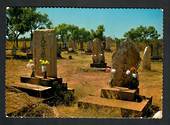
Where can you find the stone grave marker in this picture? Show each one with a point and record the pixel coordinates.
(124, 58)
(146, 63)
(157, 50)
(44, 46)
(89, 46)
(98, 54)
(108, 44)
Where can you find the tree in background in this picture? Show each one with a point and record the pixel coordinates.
(71, 33)
(23, 20)
(99, 32)
(142, 34)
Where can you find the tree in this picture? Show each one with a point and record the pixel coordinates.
(99, 32)
(22, 20)
(142, 34)
(62, 32)
(16, 23)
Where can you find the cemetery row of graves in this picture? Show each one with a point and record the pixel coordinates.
(120, 91)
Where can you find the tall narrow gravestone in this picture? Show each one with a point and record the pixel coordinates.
(126, 57)
(98, 54)
(108, 44)
(89, 46)
(146, 64)
(44, 47)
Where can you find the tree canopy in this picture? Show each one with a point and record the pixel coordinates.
(22, 20)
(142, 34)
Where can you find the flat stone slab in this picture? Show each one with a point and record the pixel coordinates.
(39, 80)
(121, 93)
(134, 109)
(31, 89)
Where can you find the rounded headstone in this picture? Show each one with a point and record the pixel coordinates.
(124, 58)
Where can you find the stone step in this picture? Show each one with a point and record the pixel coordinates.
(126, 108)
(121, 93)
(34, 90)
(40, 80)
(70, 90)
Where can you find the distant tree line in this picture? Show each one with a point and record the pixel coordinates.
(27, 20)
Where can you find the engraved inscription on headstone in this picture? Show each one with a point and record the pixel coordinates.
(44, 47)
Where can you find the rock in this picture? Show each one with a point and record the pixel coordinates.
(124, 58)
(146, 63)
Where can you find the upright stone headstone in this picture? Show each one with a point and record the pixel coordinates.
(98, 54)
(157, 50)
(124, 58)
(71, 46)
(146, 63)
(108, 44)
(89, 46)
(44, 46)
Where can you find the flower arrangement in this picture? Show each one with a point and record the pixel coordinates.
(44, 63)
(132, 74)
(30, 65)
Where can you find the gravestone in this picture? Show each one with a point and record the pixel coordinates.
(157, 50)
(117, 45)
(44, 46)
(108, 44)
(89, 46)
(124, 58)
(146, 63)
(98, 54)
(71, 46)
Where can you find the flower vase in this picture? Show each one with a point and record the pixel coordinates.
(33, 73)
(44, 71)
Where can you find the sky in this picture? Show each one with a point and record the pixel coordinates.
(115, 21)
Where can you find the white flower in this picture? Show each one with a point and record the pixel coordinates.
(113, 70)
(134, 75)
(101, 54)
(94, 55)
(128, 72)
(30, 65)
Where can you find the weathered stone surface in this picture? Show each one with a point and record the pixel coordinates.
(127, 108)
(121, 93)
(98, 52)
(156, 50)
(34, 90)
(108, 44)
(44, 46)
(146, 63)
(89, 46)
(124, 58)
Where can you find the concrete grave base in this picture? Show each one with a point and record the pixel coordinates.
(101, 65)
(126, 108)
(121, 93)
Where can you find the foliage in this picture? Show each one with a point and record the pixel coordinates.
(142, 34)
(99, 32)
(23, 20)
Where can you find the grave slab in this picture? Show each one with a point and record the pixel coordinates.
(134, 109)
(34, 90)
